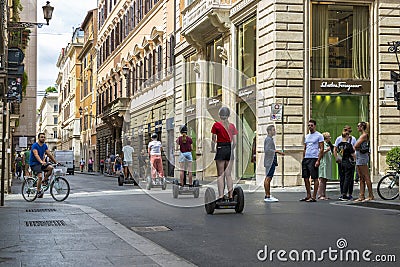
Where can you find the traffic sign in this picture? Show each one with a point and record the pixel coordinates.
(276, 112)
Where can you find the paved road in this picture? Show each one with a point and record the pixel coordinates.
(229, 239)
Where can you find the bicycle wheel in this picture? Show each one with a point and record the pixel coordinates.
(388, 187)
(59, 189)
(29, 189)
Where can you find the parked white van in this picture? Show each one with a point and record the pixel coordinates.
(66, 157)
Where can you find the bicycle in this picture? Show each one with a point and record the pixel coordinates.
(59, 186)
(388, 185)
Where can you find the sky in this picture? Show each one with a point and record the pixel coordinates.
(67, 15)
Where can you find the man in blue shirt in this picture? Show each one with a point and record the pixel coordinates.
(38, 163)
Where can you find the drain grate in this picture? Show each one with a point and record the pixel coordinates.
(40, 210)
(149, 229)
(46, 223)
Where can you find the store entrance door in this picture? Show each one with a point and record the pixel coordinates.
(246, 127)
(333, 112)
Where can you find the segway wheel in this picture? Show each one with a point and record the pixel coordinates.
(209, 200)
(196, 192)
(238, 196)
(175, 190)
(196, 183)
(164, 183)
(149, 183)
(121, 179)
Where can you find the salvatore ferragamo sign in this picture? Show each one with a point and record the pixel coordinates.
(340, 86)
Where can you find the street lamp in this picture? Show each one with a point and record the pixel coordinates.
(47, 14)
(126, 73)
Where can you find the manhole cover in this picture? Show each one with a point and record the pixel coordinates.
(148, 229)
(46, 223)
(40, 210)
(377, 205)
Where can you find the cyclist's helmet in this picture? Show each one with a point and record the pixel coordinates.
(224, 112)
(154, 136)
(183, 129)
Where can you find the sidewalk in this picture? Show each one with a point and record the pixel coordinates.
(57, 234)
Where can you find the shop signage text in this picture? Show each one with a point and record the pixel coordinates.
(239, 6)
(344, 85)
(245, 93)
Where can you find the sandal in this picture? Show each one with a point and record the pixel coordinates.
(311, 200)
(304, 199)
(359, 200)
(368, 199)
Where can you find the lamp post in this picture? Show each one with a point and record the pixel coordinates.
(127, 74)
(12, 26)
(47, 15)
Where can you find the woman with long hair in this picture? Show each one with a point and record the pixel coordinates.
(224, 136)
(362, 159)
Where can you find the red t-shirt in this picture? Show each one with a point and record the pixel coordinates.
(185, 147)
(224, 136)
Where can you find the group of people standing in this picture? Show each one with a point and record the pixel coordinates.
(350, 155)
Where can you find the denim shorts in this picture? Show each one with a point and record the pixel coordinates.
(185, 157)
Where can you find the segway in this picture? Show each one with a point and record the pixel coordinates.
(185, 189)
(236, 203)
(157, 182)
(131, 179)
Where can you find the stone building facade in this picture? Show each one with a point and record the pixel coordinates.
(323, 60)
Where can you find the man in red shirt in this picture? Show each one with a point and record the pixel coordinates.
(224, 136)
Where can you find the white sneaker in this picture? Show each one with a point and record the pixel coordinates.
(271, 199)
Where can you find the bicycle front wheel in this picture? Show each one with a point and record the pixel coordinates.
(388, 187)
(59, 189)
(29, 190)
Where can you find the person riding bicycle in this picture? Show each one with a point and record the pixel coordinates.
(38, 163)
(154, 150)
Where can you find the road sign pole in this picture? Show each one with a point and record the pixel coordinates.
(283, 144)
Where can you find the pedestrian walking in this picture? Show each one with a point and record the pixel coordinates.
(347, 156)
(312, 154)
(82, 164)
(102, 166)
(117, 164)
(154, 150)
(18, 166)
(25, 162)
(112, 164)
(224, 138)
(90, 164)
(270, 162)
(185, 156)
(325, 167)
(362, 160)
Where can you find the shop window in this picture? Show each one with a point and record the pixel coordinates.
(247, 57)
(214, 64)
(340, 42)
(190, 80)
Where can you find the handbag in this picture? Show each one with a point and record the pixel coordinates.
(364, 147)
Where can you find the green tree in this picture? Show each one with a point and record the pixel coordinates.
(51, 89)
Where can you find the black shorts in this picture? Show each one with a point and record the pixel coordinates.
(36, 168)
(308, 168)
(224, 152)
